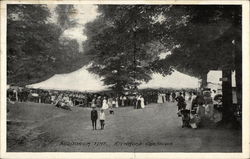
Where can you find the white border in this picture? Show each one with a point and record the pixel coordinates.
(246, 88)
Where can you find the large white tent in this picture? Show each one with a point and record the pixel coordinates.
(176, 80)
(82, 80)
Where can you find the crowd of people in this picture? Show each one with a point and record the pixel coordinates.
(170, 96)
(87, 99)
(204, 106)
(201, 106)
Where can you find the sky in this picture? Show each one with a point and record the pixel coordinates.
(82, 80)
(85, 13)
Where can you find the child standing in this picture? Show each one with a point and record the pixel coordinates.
(111, 111)
(94, 116)
(102, 119)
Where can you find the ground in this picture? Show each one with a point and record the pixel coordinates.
(36, 127)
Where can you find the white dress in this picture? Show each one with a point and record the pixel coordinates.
(142, 102)
(93, 103)
(105, 104)
(189, 106)
(110, 100)
(116, 103)
(159, 98)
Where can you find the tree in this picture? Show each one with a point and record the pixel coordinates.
(204, 42)
(195, 39)
(197, 44)
(34, 48)
(64, 13)
(119, 43)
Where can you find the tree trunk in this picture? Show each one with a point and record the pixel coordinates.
(238, 71)
(227, 96)
(238, 77)
(238, 53)
(204, 80)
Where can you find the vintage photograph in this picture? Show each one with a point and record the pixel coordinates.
(124, 78)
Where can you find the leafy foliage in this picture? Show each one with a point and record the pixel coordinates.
(206, 39)
(121, 45)
(197, 36)
(65, 12)
(35, 51)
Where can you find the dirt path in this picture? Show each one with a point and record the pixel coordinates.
(153, 129)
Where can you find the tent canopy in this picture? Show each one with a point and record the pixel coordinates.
(176, 80)
(82, 80)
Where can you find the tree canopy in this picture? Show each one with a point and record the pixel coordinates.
(121, 45)
(198, 37)
(35, 47)
(208, 36)
(124, 42)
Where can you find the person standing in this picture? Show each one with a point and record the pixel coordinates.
(181, 102)
(110, 100)
(138, 103)
(15, 95)
(184, 94)
(134, 101)
(209, 107)
(168, 96)
(111, 111)
(93, 103)
(105, 103)
(163, 97)
(194, 103)
(120, 100)
(173, 96)
(200, 106)
(160, 98)
(94, 117)
(117, 102)
(124, 100)
(102, 119)
(142, 102)
(99, 102)
(113, 102)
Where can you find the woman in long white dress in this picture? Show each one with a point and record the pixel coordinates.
(93, 103)
(142, 102)
(159, 98)
(116, 102)
(105, 104)
(110, 100)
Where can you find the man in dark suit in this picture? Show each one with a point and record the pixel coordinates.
(94, 116)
